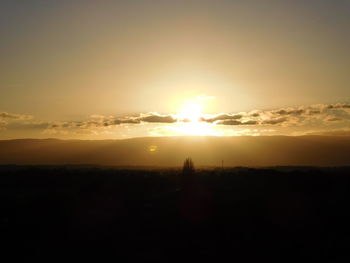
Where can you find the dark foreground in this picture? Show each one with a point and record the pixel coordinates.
(243, 215)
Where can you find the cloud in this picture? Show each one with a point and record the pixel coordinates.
(274, 121)
(2, 125)
(33, 125)
(224, 117)
(287, 117)
(334, 119)
(122, 121)
(102, 122)
(157, 118)
(251, 122)
(99, 124)
(290, 120)
(255, 114)
(339, 106)
(12, 116)
(313, 112)
(9, 118)
(236, 122)
(290, 111)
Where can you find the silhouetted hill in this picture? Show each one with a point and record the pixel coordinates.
(171, 151)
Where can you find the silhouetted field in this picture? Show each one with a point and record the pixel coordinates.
(282, 214)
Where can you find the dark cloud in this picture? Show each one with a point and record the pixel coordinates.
(123, 121)
(251, 122)
(12, 116)
(236, 122)
(339, 106)
(29, 125)
(223, 117)
(274, 121)
(54, 125)
(313, 112)
(334, 119)
(290, 111)
(99, 121)
(296, 116)
(102, 122)
(157, 118)
(229, 122)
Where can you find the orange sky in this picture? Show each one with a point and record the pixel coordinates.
(120, 69)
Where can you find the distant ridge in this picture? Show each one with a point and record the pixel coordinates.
(171, 151)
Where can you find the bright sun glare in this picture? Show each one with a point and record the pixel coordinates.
(190, 115)
(191, 112)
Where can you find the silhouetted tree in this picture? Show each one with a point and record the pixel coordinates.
(188, 174)
(193, 200)
(188, 167)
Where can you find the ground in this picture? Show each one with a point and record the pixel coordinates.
(280, 214)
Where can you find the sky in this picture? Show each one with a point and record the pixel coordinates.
(122, 69)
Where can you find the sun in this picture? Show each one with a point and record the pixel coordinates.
(191, 112)
(191, 118)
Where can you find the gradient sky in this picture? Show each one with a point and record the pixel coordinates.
(66, 63)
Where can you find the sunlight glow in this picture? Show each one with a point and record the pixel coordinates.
(190, 116)
(192, 109)
(196, 128)
(192, 129)
(191, 112)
